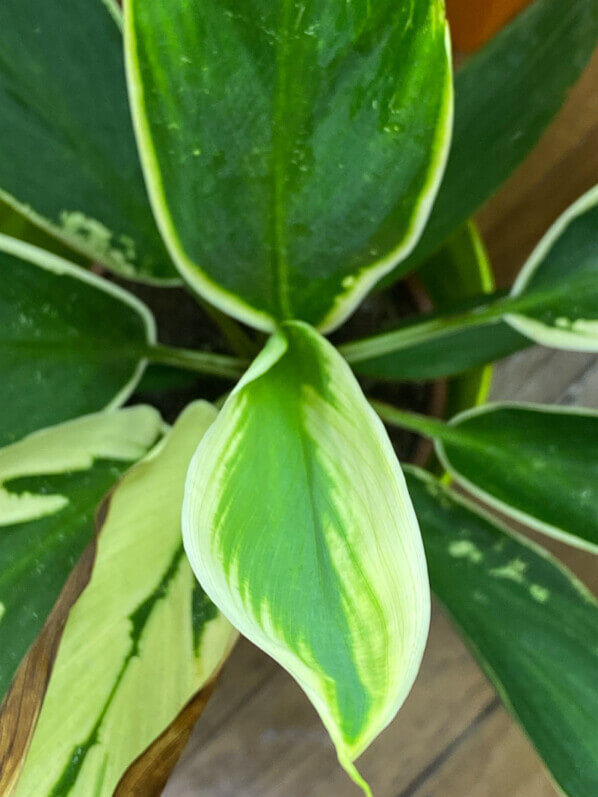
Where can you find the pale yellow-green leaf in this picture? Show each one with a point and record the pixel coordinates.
(141, 640)
(51, 483)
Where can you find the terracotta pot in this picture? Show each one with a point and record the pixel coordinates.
(474, 23)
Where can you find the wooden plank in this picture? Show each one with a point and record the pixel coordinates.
(246, 673)
(494, 761)
(540, 375)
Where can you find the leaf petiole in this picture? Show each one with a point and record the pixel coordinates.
(203, 362)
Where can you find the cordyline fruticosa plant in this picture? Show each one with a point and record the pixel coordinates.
(295, 153)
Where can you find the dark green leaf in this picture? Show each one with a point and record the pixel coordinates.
(537, 464)
(447, 355)
(292, 149)
(70, 342)
(530, 624)
(558, 287)
(554, 302)
(159, 378)
(67, 151)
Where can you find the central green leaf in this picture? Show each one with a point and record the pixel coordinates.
(292, 148)
(299, 527)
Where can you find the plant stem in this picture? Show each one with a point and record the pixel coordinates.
(423, 331)
(200, 361)
(491, 310)
(414, 422)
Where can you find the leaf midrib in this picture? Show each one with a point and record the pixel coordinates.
(280, 252)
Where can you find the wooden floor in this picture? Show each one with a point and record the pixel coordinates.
(259, 736)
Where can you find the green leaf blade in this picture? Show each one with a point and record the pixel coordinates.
(70, 342)
(536, 463)
(134, 652)
(51, 484)
(326, 572)
(530, 624)
(312, 138)
(68, 159)
(558, 286)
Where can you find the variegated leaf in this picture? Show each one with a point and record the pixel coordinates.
(71, 343)
(139, 643)
(299, 526)
(292, 150)
(50, 486)
(539, 464)
(68, 159)
(531, 625)
(557, 290)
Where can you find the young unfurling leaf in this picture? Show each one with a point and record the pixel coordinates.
(299, 527)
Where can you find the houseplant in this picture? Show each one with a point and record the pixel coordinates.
(292, 155)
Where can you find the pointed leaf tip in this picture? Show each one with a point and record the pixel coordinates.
(299, 527)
